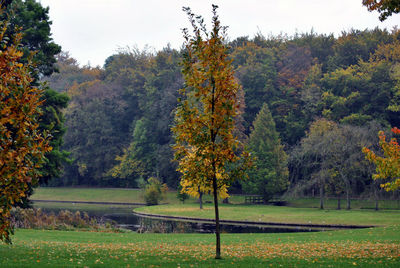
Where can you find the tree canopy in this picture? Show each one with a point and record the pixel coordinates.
(119, 116)
(388, 165)
(385, 7)
(22, 144)
(205, 118)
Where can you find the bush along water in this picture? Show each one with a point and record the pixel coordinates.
(33, 218)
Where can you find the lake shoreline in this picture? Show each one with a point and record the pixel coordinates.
(320, 227)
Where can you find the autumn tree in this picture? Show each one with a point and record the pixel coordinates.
(270, 176)
(22, 145)
(385, 7)
(32, 20)
(205, 118)
(388, 165)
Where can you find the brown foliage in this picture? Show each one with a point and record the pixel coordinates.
(63, 220)
(22, 146)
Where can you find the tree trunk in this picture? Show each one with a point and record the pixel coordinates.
(348, 198)
(376, 198)
(338, 202)
(398, 199)
(321, 196)
(201, 200)
(217, 230)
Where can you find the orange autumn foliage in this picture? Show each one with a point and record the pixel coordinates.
(385, 7)
(206, 148)
(205, 119)
(22, 146)
(387, 166)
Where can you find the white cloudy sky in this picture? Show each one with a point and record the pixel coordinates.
(92, 30)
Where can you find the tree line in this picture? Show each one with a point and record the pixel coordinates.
(116, 130)
(119, 117)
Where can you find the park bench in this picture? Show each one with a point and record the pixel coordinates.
(253, 199)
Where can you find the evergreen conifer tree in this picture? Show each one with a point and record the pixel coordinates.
(270, 176)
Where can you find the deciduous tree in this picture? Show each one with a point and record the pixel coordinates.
(35, 22)
(205, 118)
(385, 7)
(22, 145)
(32, 20)
(388, 165)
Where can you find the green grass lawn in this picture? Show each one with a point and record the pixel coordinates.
(89, 194)
(377, 247)
(119, 195)
(374, 247)
(331, 203)
(136, 196)
(264, 213)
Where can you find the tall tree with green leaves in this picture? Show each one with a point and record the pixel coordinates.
(271, 174)
(34, 21)
(205, 118)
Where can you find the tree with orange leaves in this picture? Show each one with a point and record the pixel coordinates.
(385, 7)
(206, 147)
(387, 166)
(22, 146)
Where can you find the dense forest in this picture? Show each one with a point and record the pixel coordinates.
(327, 97)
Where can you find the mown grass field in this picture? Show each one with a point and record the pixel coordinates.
(119, 195)
(262, 213)
(136, 196)
(89, 194)
(373, 247)
(376, 247)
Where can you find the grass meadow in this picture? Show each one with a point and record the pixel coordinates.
(370, 247)
(374, 247)
(279, 214)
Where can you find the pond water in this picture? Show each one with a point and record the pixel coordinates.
(124, 218)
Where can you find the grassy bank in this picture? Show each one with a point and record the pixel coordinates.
(136, 196)
(378, 247)
(89, 194)
(264, 213)
(120, 195)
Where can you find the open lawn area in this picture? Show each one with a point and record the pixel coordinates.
(376, 247)
(372, 247)
(88, 194)
(119, 195)
(279, 214)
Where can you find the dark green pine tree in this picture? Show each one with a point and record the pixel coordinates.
(270, 176)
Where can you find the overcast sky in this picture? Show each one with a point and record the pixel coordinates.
(92, 30)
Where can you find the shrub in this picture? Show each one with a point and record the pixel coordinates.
(154, 191)
(181, 195)
(64, 220)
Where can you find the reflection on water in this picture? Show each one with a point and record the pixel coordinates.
(124, 218)
(169, 226)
